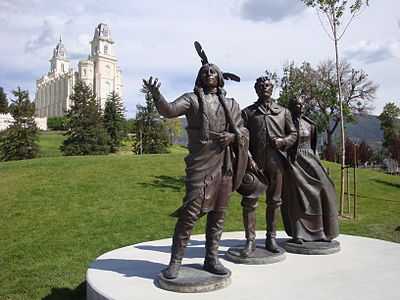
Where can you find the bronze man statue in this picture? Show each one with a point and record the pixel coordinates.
(271, 133)
(218, 145)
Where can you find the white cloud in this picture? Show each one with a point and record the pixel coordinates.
(369, 52)
(270, 11)
(44, 38)
(156, 38)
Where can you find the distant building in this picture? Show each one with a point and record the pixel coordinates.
(6, 121)
(100, 71)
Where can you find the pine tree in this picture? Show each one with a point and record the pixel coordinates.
(114, 121)
(153, 137)
(86, 134)
(19, 141)
(3, 102)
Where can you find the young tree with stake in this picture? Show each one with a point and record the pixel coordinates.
(335, 12)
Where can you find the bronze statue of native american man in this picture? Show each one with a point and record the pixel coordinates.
(218, 146)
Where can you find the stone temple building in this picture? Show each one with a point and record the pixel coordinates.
(100, 71)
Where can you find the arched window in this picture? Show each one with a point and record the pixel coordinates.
(106, 49)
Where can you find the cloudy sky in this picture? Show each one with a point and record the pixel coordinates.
(156, 38)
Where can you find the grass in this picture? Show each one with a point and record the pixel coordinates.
(50, 142)
(58, 214)
(378, 204)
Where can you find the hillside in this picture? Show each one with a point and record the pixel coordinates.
(366, 127)
(60, 213)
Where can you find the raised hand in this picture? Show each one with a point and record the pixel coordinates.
(152, 87)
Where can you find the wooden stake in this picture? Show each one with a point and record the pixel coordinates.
(355, 185)
(347, 190)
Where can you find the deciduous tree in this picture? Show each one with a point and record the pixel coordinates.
(174, 129)
(334, 12)
(319, 84)
(390, 123)
(364, 152)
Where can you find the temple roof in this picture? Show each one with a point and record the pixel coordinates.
(59, 50)
(102, 31)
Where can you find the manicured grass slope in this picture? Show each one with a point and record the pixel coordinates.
(58, 214)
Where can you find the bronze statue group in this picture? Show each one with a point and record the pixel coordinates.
(263, 148)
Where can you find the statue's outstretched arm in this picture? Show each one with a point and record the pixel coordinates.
(174, 109)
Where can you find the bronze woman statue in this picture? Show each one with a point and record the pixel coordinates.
(309, 198)
(218, 145)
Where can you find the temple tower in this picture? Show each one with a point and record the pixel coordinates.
(107, 75)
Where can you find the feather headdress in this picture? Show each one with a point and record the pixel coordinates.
(204, 61)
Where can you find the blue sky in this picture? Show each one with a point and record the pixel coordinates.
(156, 38)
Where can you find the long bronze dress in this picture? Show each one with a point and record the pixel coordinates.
(309, 209)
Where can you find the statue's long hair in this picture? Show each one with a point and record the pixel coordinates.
(199, 91)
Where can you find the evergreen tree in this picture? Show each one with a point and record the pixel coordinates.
(19, 141)
(151, 131)
(86, 134)
(3, 102)
(114, 121)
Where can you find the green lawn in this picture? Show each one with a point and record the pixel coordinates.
(50, 142)
(58, 214)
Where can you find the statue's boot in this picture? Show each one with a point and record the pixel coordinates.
(172, 271)
(296, 240)
(215, 226)
(249, 222)
(270, 241)
(183, 229)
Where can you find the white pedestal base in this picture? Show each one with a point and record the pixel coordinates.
(365, 268)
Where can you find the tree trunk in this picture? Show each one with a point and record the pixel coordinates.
(339, 85)
(329, 150)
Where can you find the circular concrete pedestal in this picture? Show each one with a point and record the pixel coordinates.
(260, 256)
(364, 268)
(193, 279)
(312, 248)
